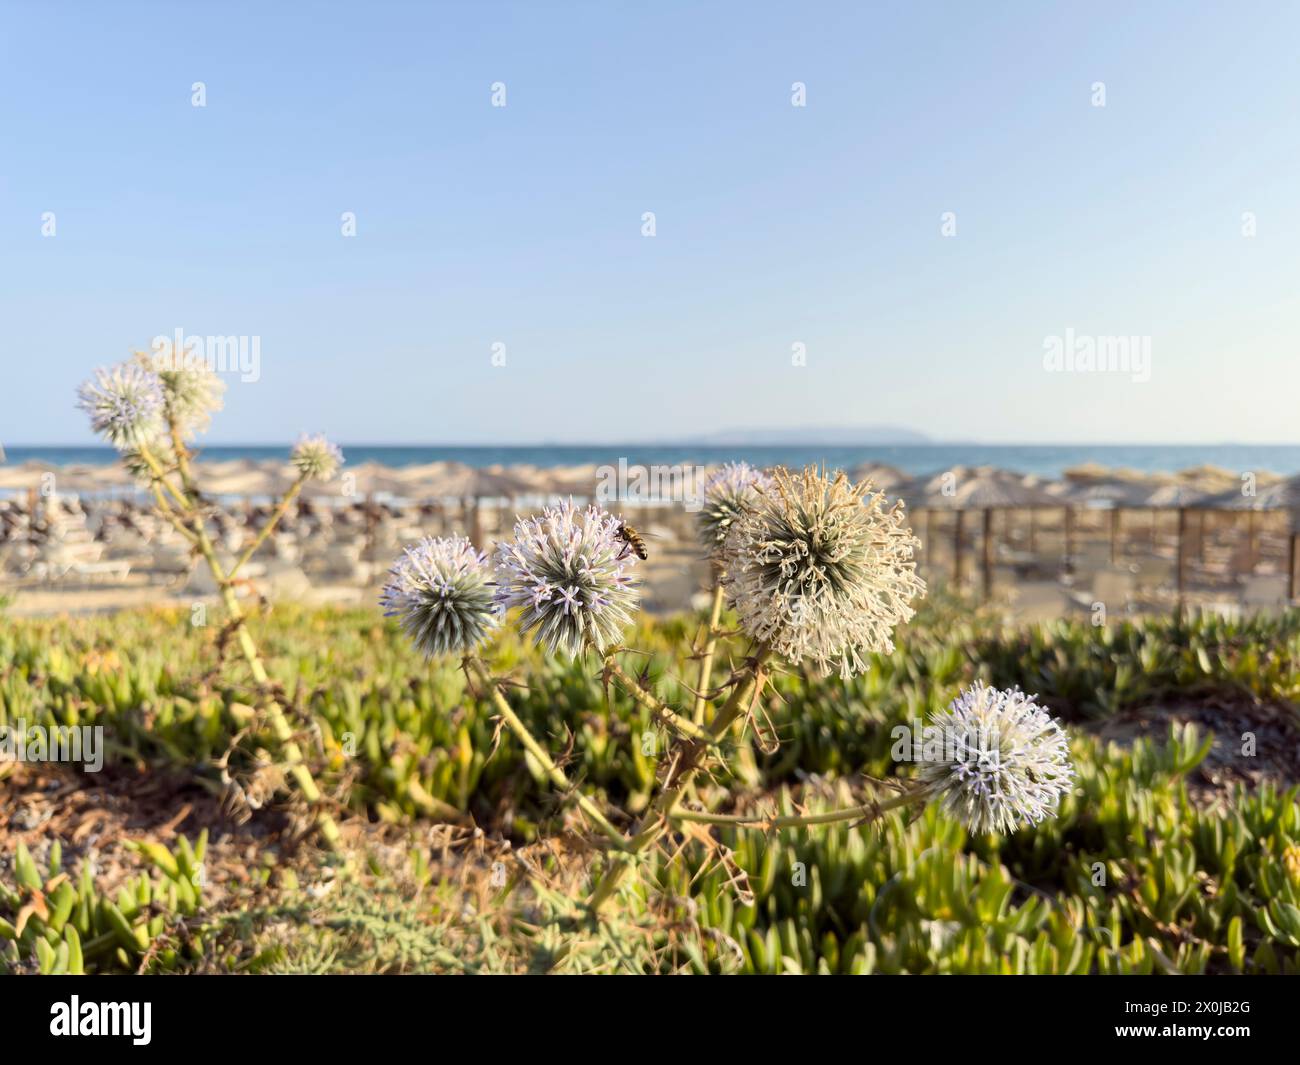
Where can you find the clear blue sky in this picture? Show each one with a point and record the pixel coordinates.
(775, 224)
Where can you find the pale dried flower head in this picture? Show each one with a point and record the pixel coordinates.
(571, 574)
(316, 458)
(440, 590)
(125, 405)
(727, 493)
(192, 390)
(1003, 763)
(820, 569)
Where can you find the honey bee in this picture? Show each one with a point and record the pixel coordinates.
(633, 542)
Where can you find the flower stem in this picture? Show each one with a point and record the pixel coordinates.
(280, 511)
(553, 772)
(866, 812)
(710, 646)
(275, 715)
(659, 709)
(743, 696)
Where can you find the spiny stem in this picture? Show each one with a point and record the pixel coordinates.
(274, 713)
(654, 705)
(868, 812)
(269, 527)
(747, 690)
(553, 772)
(174, 519)
(710, 646)
(159, 476)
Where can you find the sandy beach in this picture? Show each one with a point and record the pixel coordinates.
(83, 539)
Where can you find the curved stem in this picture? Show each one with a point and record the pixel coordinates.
(275, 714)
(659, 709)
(159, 476)
(654, 824)
(868, 812)
(174, 519)
(280, 511)
(710, 647)
(553, 772)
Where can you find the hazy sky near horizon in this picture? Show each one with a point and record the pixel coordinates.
(775, 225)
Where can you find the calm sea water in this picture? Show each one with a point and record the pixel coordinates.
(1046, 461)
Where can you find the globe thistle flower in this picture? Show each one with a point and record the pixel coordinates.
(316, 458)
(441, 591)
(191, 389)
(125, 404)
(727, 492)
(818, 568)
(570, 571)
(1003, 763)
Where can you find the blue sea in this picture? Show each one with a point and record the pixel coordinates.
(1044, 460)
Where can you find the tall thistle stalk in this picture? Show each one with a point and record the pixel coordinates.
(149, 409)
(817, 569)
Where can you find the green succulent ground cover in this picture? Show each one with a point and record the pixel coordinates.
(1147, 867)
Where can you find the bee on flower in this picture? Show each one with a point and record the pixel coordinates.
(570, 573)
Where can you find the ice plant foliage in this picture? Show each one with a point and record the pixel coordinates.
(1004, 762)
(820, 569)
(441, 592)
(192, 391)
(571, 574)
(125, 405)
(316, 458)
(728, 492)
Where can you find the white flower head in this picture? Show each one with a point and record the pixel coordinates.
(192, 391)
(1003, 763)
(125, 404)
(441, 592)
(727, 493)
(571, 573)
(316, 458)
(821, 569)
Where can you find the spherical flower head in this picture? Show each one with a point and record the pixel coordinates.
(571, 573)
(1003, 763)
(192, 391)
(125, 404)
(441, 592)
(728, 492)
(316, 458)
(821, 569)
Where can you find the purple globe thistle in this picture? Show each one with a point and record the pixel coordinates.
(1003, 763)
(570, 572)
(440, 591)
(316, 458)
(728, 493)
(125, 404)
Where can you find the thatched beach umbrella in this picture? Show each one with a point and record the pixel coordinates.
(1112, 496)
(883, 478)
(431, 480)
(1183, 498)
(1208, 478)
(26, 476)
(1278, 495)
(985, 489)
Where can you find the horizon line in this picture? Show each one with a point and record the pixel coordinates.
(288, 444)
